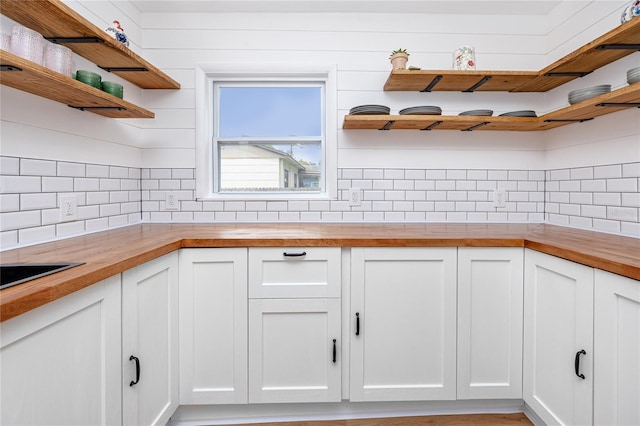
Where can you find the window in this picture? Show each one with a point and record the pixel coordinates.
(265, 135)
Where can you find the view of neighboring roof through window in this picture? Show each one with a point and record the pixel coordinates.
(269, 137)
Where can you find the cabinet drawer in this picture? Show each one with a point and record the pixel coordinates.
(286, 272)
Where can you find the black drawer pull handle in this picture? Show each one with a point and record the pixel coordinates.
(357, 323)
(285, 254)
(577, 363)
(334, 351)
(133, 358)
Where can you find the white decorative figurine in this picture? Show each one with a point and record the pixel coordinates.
(118, 33)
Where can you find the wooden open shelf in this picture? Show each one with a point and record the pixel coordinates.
(623, 98)
(30, 77)
(615, 44)
(55, 20)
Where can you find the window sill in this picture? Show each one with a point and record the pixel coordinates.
(267, 197)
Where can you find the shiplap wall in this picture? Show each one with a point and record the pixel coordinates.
(358, 44)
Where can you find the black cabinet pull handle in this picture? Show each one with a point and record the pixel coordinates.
(334, 351)
(577, 363)
(285, 254)
(133, 358)
(357, 323)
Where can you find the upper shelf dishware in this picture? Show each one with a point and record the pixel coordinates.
(522, 113)
(580, 95)
(633, 75)
(421, 110)
(478, 112)
(370, 110)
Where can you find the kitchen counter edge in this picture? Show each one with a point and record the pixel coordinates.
(111, 252)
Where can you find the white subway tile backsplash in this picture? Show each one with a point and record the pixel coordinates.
(613, 171)
(36, 234)
(98, 171)
(10, 166)
(19, 220)
(477, 174)
(71, 169)
(622, 185)
(30, 167)
(20, 184)
(414, 174)
(351, 173)
(38, 201)
(373, 174)
(9, 202)
(86, 184)
(631, 170)
(112, 196)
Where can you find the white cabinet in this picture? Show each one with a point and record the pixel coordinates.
(213, 326)
(403, 324)
(617, 350)
(295, 347)
(61, 363)
(294, 324)
(150, 341)
(490, 298)
(558, 339)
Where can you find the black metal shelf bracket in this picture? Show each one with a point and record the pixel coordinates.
(619, 104)
(477, 126)
(433, 83)
(478, 84)
(620, 46)
(94, 108)
(567, 74)
(9, 68)
(65, 40)
(120, 69)
(576, 120)
(388, 125)
(432, 125)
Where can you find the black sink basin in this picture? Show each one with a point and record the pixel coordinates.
(13, 274)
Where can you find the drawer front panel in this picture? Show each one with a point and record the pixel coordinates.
(294, 272)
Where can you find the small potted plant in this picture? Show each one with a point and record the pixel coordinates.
(399, 58)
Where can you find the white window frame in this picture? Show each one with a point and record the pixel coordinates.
(208, 74)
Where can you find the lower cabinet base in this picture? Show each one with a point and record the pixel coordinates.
(193, 415)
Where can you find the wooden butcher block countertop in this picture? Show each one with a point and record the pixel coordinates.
(110, 252)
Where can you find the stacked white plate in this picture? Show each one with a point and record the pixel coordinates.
(370, 110)
(421, 110)
(523, 113)
(580, 95)
(633, 75)
(479, 112)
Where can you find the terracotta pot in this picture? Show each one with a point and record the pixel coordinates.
(399, 61)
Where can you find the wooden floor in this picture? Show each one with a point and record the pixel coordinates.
(450, 420)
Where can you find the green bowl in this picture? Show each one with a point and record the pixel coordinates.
(112, 88)
(90, 78)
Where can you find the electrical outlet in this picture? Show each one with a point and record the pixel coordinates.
(355, 197)
(171, 201)
(68, 208)
(499, 198)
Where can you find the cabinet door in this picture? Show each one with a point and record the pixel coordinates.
(295, 347)
(404, 301)
(60, 363)
(490, 297)
(558, 325)
(213, 326)
(150, 334)
(616, 366)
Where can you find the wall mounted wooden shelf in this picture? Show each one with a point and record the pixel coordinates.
(55, 20)
(623, 98)
(30, 77)
(615, 44)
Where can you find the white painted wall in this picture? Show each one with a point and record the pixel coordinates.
(358, 43)
(120, 170)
